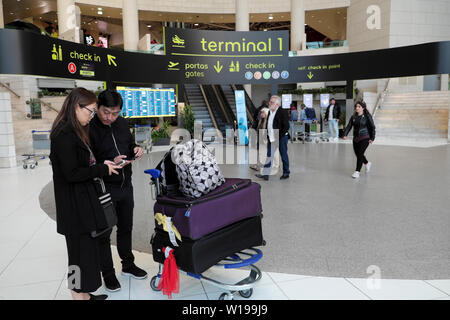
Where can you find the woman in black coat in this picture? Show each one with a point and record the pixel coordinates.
(78, 210)
(363, 135)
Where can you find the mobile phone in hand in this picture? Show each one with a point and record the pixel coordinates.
(119, 163)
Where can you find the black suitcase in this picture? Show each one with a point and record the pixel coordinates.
(199, 255)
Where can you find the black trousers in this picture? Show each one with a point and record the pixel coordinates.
(124, 203)
(359, 148)
(84, 263)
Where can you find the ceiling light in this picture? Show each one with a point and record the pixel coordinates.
(265, 30)
(149, 26)
(270, 17)
(196, 24)
(100, 12)
(100, 9)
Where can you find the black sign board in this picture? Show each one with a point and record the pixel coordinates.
(27, 53)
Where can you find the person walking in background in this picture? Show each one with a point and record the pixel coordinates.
(78, 210)
(332, 117)
(363, 135)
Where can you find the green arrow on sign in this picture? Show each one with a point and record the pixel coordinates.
(218, 67)
(310, 75)
(112, 60)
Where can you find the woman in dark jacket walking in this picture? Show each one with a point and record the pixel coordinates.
(78, 211)
(363, 135)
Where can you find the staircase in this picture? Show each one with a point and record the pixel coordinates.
(419, 116)
(198, 105)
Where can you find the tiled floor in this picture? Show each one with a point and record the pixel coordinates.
(33, 261)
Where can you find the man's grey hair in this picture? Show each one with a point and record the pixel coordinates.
(277, 100)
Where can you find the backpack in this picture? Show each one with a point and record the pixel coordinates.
(310, 113)
(197, 169)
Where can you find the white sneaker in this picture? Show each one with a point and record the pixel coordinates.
(355, 175)
(368, 165)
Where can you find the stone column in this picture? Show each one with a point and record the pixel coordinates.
(242, 24)
(2, 22)
(444, 82)
(130, 17)
(69, 21)
(297, 25)
(7, 146)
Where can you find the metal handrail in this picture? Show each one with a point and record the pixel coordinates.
(209, 107)
(381, 98)
(9, 89)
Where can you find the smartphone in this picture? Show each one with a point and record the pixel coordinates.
(119, 163)
(132, 158)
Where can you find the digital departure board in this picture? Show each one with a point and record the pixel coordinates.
(147, 102)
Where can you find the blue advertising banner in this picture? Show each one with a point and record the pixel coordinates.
(241, 113)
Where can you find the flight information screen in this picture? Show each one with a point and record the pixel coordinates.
(147, 102)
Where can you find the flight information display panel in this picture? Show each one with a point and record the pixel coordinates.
(147, 102)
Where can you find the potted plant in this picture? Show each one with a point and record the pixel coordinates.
(160, 135)
(188, 119)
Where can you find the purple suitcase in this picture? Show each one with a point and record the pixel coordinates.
(235, 200)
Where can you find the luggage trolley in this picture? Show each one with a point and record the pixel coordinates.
(41, 141)
(244, 258)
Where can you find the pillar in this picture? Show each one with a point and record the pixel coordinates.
(444, 82)
(2, 22)
(130, 17)
(242, 24)
(298, 36)
(69, 21)
(7, 146)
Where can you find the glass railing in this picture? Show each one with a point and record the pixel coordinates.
(329, 44)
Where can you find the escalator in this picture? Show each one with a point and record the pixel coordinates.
(228, 93)
(198, 105)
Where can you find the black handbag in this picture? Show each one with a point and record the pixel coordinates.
(108, 209)
(105, 202)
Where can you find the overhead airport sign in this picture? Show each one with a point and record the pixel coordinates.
(231, 44)
(23, 52)
(234, 57)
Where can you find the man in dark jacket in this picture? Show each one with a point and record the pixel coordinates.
(111, 139)
(278, 121)
(332, 117)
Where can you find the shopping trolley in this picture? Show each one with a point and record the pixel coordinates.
(244, 258)
(143, 136)
(41, 142)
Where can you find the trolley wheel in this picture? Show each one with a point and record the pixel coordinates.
(25, 166)
(246, 293)
(32, 166)
(153, 284)
(226, 296)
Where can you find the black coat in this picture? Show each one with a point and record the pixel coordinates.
(336, 112)
(280, 122)
(107, 148)
(362, 126)
(78, 209)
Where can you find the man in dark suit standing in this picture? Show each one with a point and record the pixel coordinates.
(278, 122)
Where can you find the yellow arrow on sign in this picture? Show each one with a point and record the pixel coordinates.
(111, 60)
(310, 75)
(218, 67)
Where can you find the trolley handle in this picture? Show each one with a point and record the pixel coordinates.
(255, 258)
(33, 131)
